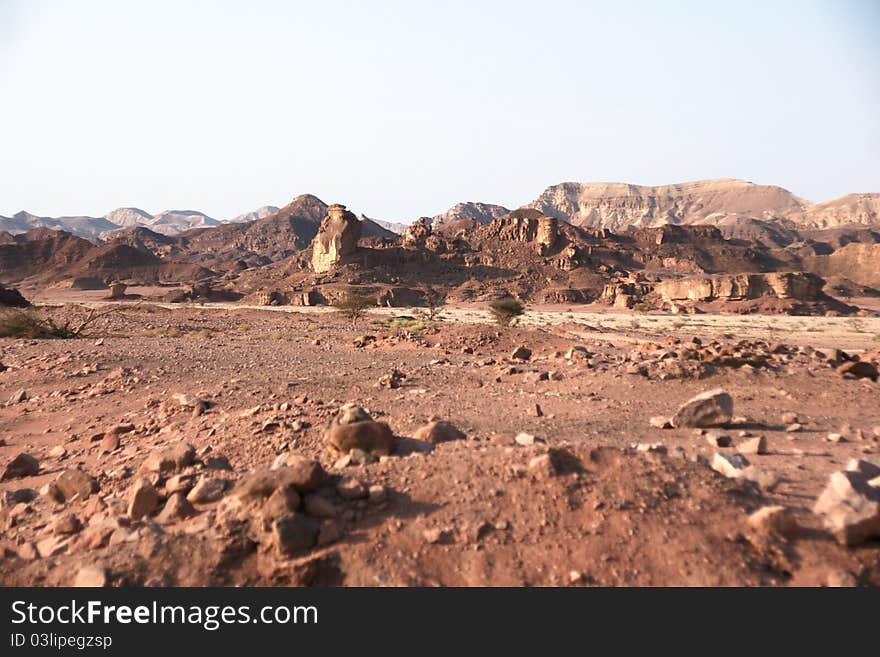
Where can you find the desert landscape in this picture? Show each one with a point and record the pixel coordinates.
(613, 385)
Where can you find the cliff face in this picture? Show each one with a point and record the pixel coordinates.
(782, 285)
(618, 206)
(857, 262)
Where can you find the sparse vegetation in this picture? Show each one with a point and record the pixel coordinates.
(506, 311)
(354, 307)
(434, 302)
(30, 324)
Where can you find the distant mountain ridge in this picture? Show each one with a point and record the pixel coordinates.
(741, 209)
(621, 206)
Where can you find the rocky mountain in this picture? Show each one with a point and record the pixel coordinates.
(172, 222)
(45, 256)
(129, 217)
(852, 209)
(482, 213)
(253, 215)
(620, 206)
(723, 202)
(88, 227)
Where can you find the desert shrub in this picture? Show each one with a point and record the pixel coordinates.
(353, 306)
(506, 311)
(434, 302)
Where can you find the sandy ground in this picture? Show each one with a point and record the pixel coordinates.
(469, 512)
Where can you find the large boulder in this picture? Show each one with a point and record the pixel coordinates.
(337, 237)
(11, 298)
(850, 507)
(371, 437)
(713, 408)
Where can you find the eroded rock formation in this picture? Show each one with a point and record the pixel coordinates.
(800, 286)
(337, 237)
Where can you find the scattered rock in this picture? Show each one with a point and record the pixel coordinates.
(718, 439)
(521, 353)
(859, 369)
(22, 465)
(294, 533)
(757, 445)
(439, 431)
(850, 508)
(660, 422)
(142, 500)
(18, 396)
(371, 437)
(712, 408)
(730, 465)
(208, 490)
(91, 577)
(74, 484)
(177, 507)
(171, 459)
(774, 520)
(350, 488)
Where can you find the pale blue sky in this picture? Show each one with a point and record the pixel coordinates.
(400, 109)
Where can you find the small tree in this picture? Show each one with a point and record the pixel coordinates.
(434, 302)
(506, 311)
(353, 306)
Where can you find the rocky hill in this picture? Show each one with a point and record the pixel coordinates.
(482, 213)
(88, 227)
(619, 206)
(725, 202)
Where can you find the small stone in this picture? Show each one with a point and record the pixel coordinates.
(850, 508)
(18, 396)
(521, 353)
(730, 465)
(67, 523)
(789, 418)
(171, 459)
(543, 465)
(142, 500)
(281, 502)
(525, 439)
(436, 535)
(377, 494)
(712, 408)
(718, 439)
(757, 445)
(208, 490)
(75, 484)
(52, 546)
(294, 533)
(372, 437)
(774, 520)
(438, 431)
(90, 577)
(654, 448)
(176, 508)
(794, 428)
(835, 438)
(350, 488)
(660, 422)
(23, 465)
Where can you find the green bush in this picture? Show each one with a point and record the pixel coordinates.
(506, 311)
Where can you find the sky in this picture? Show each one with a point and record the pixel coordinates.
(401, 109)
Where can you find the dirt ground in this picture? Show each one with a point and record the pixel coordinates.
(578, 506)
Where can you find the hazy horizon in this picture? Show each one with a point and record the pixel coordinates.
(402, 109)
